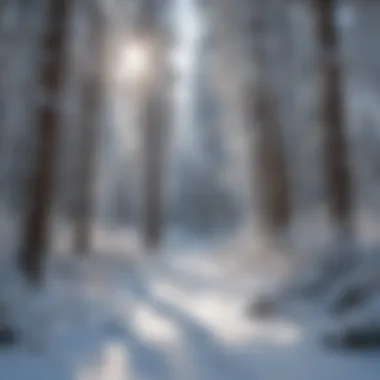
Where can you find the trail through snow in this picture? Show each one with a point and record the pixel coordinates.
(178, 316)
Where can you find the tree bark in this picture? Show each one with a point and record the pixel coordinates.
(34, 245)
(336, 159)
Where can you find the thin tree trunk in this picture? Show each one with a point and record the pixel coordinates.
(336, 161)
(34, 244)
(268, 151)
(153, 119)
(152, 214)
(92, 101)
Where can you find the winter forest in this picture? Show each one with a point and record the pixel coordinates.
(189, 189)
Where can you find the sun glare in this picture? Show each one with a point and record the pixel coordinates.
(134, 62)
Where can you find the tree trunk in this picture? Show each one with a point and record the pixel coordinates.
(152, 129)
(153, 119)
(336, 161)
(268, 151)
(91, 105)
(34, 244)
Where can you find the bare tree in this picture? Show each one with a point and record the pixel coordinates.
(149, 25)
(336, 161)
(268, 150)
(152, 140)
(34, 244)
(92, 91)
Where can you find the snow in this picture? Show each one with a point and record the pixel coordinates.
(177, 315)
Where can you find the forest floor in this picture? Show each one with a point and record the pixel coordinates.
(177, 316)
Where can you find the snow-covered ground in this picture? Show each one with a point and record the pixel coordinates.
(179, 315)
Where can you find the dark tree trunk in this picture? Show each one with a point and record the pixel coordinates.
(87, 162)
(336, 162)
(272, 164)
(269, 151)
(153, 120)
(153, 212)
(34, 244)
